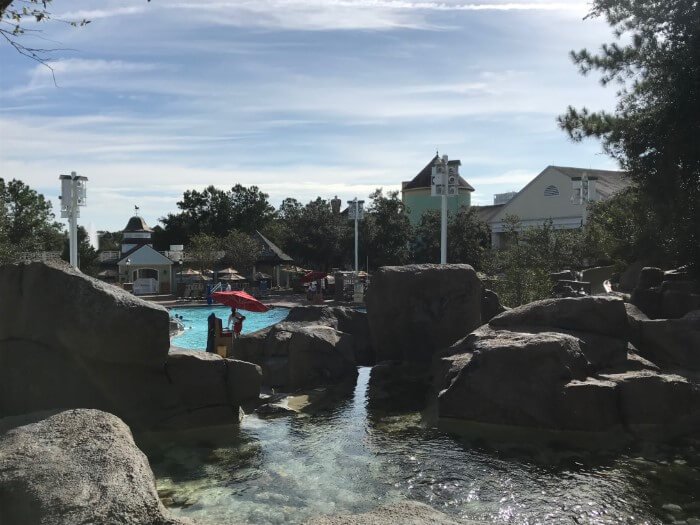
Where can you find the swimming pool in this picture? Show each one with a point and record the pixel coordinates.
(194, 319)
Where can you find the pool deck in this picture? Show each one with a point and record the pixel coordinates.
(278, 301)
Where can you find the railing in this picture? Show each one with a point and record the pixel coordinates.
(108, 256)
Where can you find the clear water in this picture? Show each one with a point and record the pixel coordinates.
(194, 337)
(346, 459)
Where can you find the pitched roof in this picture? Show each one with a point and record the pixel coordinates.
(608, 182)
(486, 212)
(423, 179)
(137, 225)
(271, 253)
(147, 256)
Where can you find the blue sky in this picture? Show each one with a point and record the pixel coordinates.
(301, 97)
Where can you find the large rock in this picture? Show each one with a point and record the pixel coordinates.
(513, 378)
(396, 386)
(77, 466)
(490, 305)
(70, 341)
(58, 307)
(657, 405)
(405, 513)
(204, 380)
(650, 277)
(343, 319)
(416, 310)
(670, 342)
(296, 355)
(597, 315)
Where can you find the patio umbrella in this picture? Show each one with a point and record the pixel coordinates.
(313, 276)
(239, 299)
(227, 271)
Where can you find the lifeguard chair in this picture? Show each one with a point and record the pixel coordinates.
(219, 341)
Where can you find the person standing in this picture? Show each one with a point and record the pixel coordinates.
(235, 320)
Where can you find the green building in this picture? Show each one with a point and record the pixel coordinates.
(415, 193)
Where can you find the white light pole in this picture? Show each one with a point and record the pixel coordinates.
(444, 183)
(356, 213)
(73, 195)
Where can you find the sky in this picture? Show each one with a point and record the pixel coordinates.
(302, 98)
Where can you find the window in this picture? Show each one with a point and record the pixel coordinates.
(551, 191)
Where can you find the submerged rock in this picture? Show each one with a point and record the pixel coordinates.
(76, 466)
(416, 310)
(405, 513)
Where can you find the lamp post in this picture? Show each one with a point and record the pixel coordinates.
(444, 183)
(356, 212)
(73, 195)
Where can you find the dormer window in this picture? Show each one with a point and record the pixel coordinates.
(551, 191)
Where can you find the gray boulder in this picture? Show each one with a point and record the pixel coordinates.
(77, 466)
(70, 341)
(396, 386)
(650, 277)
(416, 310)
(670, 342)
(58, 307)
(343, 319)
(657, 405)
(596, 314)
(589, 405)
(490, 305)
(295, 355)
(513, 378)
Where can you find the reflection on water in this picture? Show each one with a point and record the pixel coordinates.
(286, 470)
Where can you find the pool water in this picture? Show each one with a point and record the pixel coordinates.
(194, 337)
(349, 459)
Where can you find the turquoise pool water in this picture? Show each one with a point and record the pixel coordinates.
(195, 320)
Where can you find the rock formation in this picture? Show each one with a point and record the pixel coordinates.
(70, 341)
(76, 466)
(416, 310)
(316, 345)
(405, 513)
(567, 364)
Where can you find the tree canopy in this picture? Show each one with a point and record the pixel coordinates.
(26, 221)
(386, 231)
(654, 131)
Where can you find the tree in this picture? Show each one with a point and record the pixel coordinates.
(204, 250)
(216, 212)
(13, 15)
(467, 237)
(529, 256)
(386, 231)
(241, 251)
(654, 131)
(315, 235)
(87, 255)
(26, 221)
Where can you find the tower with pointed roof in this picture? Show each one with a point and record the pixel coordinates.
(416, 197)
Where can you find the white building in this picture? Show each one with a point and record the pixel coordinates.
(558, 193)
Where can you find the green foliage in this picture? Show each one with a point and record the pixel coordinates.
(204, 250)
(467, 238)
(655, 130)
(624, 229)
(315, 236)
(110, 241)
(87, 255)
(385, 233)
(241, 251)
(529, 256)
(26, 221)
(216, 212)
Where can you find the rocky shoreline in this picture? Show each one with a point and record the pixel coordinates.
(81, 360)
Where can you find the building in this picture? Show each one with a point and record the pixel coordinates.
(416, 197)
(137, 262)
(558, 193)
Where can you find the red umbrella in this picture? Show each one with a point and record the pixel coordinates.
(239, 299)
(313, 276)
